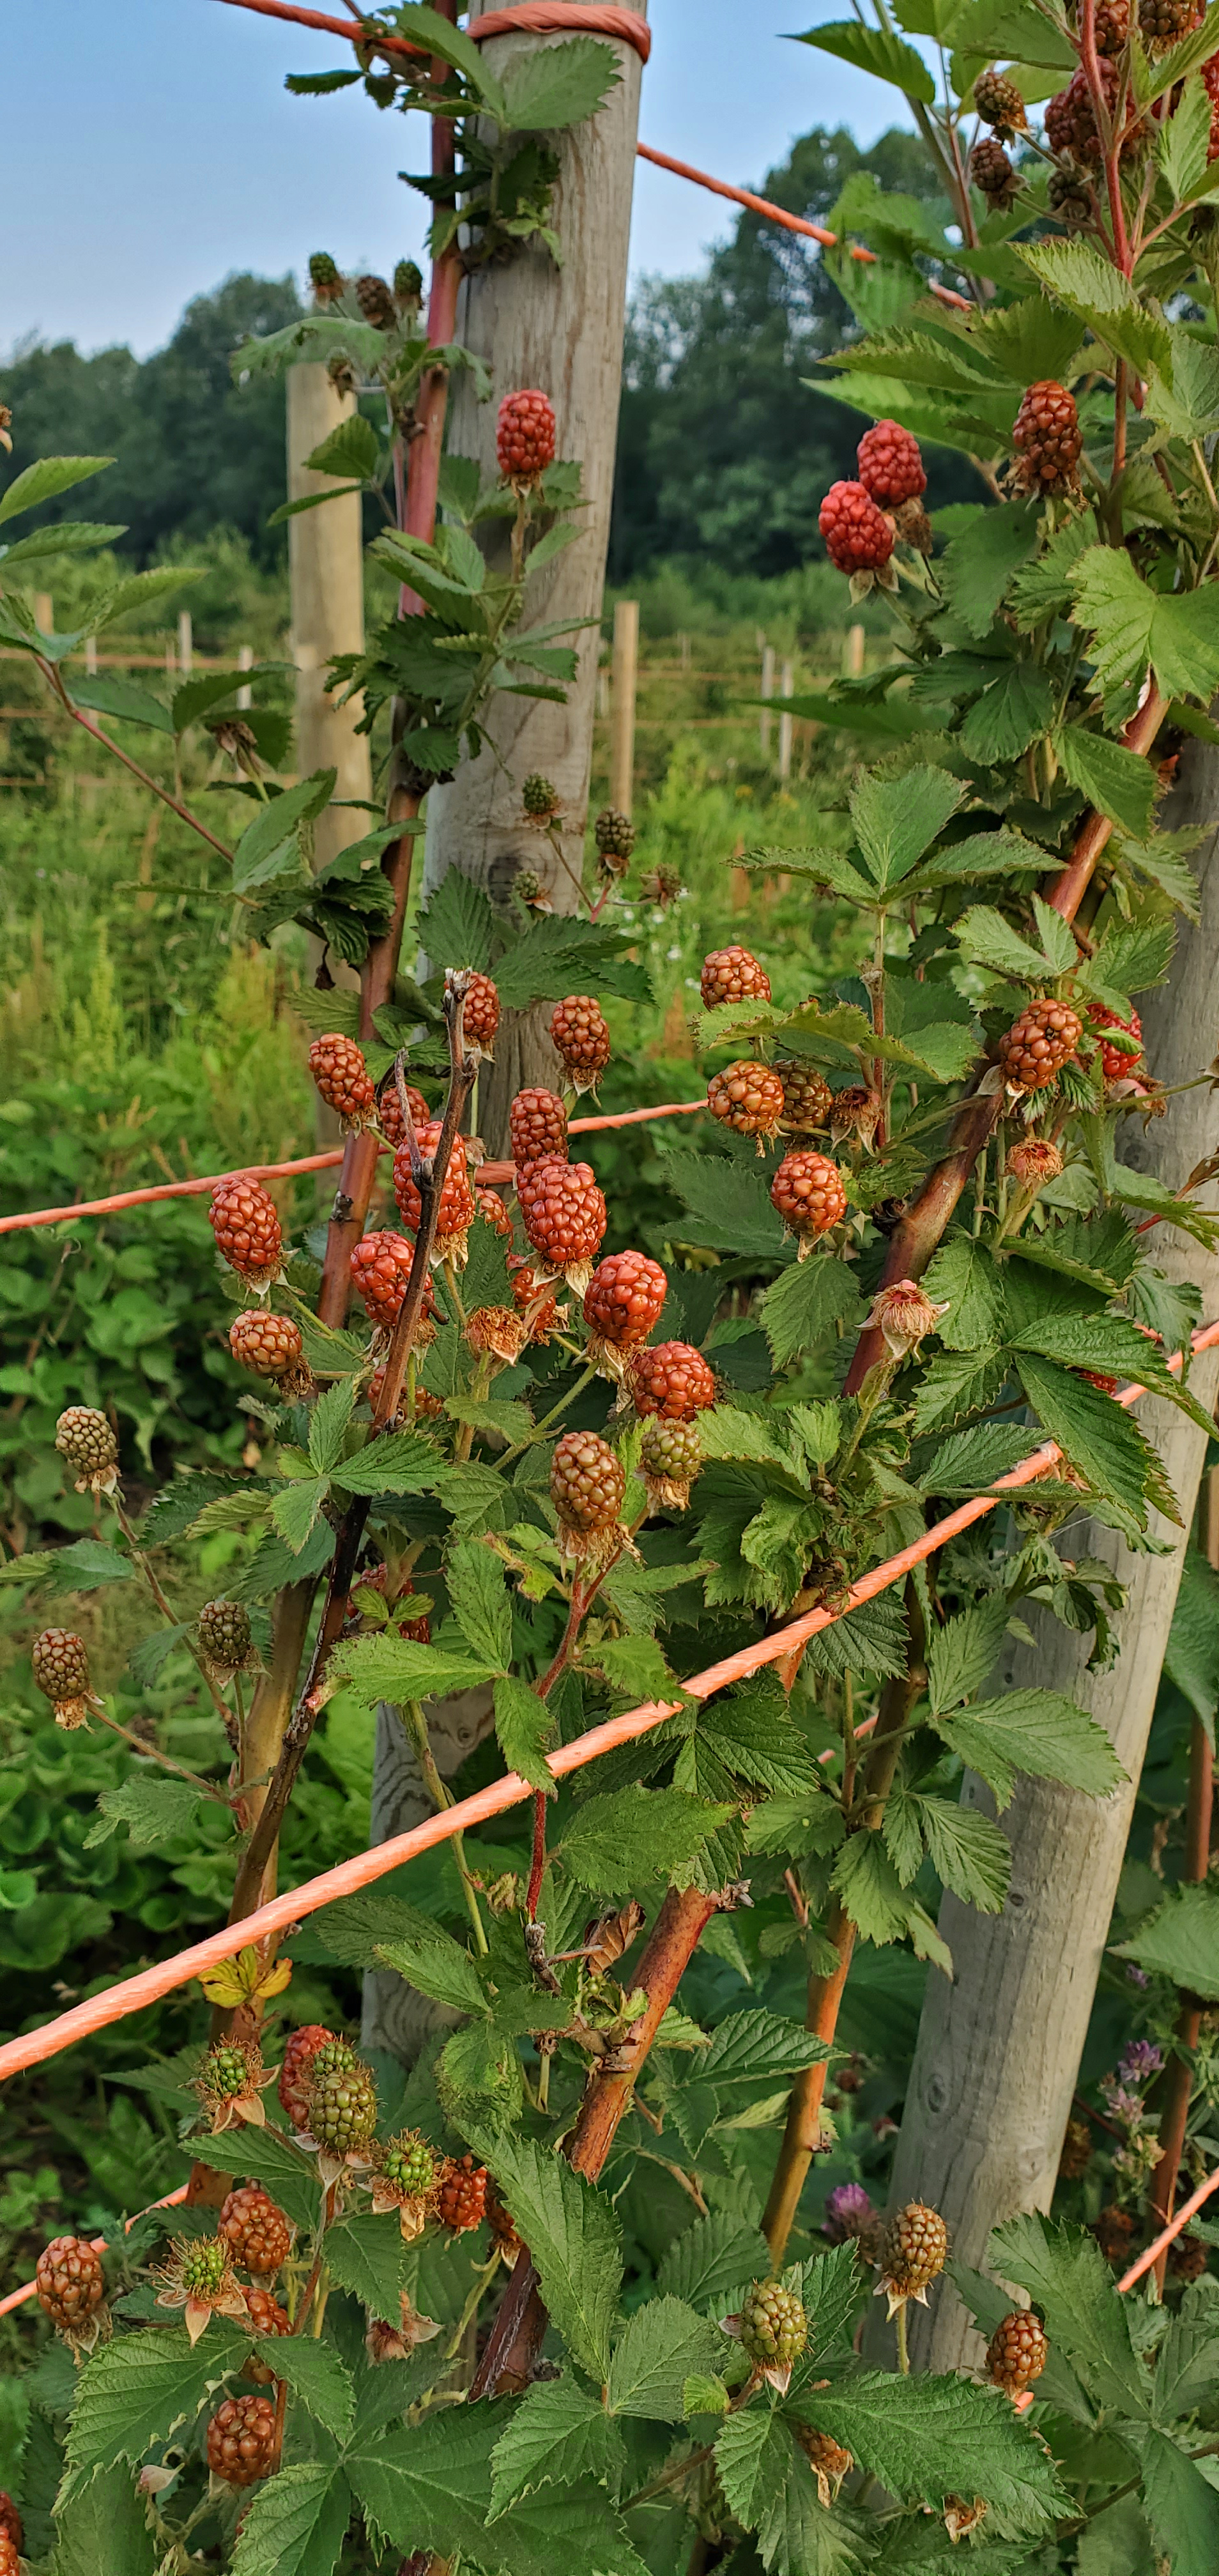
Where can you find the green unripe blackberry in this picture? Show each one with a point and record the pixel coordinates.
(527, 886)
(333, 2056)
(408, 2163)
(342, 2106)
(224, 1635)
(915, 2250)
(999, 104)
(325, 277)
(408, 282)
(226, 2070)
(670, 1456)
(774, 2327)
(84, 1437)
(205, 2266)
(540, 798)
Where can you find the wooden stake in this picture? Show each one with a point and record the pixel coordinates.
(785, 726)
(326, 573)
(186, 643)
(622, 702)
(767, 691)
(245, 662)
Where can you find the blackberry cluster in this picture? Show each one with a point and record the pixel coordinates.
(858, 537)
(338, 1068)
(581, 1037)
(747, 1097)
(732, 975)
(587, 1483)
(673, 1380)
(1036, 1047)
(564, 1211)
(1047, 439)
(623, 1299)
(525, 437)
(537, 1124)
(890, 465)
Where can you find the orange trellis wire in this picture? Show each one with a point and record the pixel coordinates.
(115, 2003)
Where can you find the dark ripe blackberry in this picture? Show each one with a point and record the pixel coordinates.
(255, 2230)
(807, 1097)
(1114, 2233)
(1112, 25)
(1017, 2352)
(1068, 196)
(376, 302)
(1070, 124)
(1162, 23)
(1187, 2258)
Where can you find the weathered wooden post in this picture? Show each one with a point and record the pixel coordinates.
(326, 574)
(623, 685)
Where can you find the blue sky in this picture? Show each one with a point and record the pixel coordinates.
(150, 149)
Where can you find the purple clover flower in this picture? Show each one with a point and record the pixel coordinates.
(847, 2211)
(1137, 1977)
(1140, 2060)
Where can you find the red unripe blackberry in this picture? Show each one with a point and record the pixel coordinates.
(70, 2283)
(991, 171)
(858, 538)
(807, 1097)
(890, 465)
(672, 1379)
(293, 2074)
(255, 2229)
(391, 1112)
(624, 1298)
(1163, 22)
(342, 1077)
(267, 2317)
(86, 1440)
(342, 2103)
(579, 1034)
(457, 1204)
(587, 1482)
(241, 2440)
(999, 103)
(223, 1630)
(528, 1291)
(10, 2556)
(480, 1015)
(538, 1125)
(670, 1459)
(614, 835)
(747, 1097)
(1036, 1047)
(914, 2251)
(380, 1272)
(564, 1211)
(10, 2520)
(60, 1667)
(829, 2460)
(427, 1405)
(491, 1209)
(1099, 1378)
(243, 1219)
(773, 2326)
(732, 975)
(501, 2224)
(524, 436)
(462, 2199)
(1116, 1061)
(376, 302)
(268, 1344)
(1047, 439)
(1017, 2352)
(808, 1194)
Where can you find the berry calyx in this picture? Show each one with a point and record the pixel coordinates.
(564, 1214)
(807, 1098)
(462, 2198)
(807, 1193)
(855, 1112)
(268, 1344)
(70, 2285)
(1117, 1061)
(86, 1439)
(747, 1097)
(243, 1219)
(1047, 439)
(673, 1380)
(241, 2440)
(225, 1639)
(858, 537)
(525, 437)
(537, 1124)
(914, 2251)
(61, 1671)
(581, 1037)
(1036, 1047)
(480, 1013)
(624, 1298)
(999, 104)
(904, 1314)
(457, 1203)
(732, 975)
(294, 2072)
(231, 2082)
(380, 1274)
(890, 465)
(498, 1329)
(614, 835)
(1017, 2352)
(670, 1459)
(255, 2229)
(587, 1484)
(342, 1077)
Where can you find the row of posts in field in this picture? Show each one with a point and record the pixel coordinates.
(179, 650)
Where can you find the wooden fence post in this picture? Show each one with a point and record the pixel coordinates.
(245, 662)
(560, 328)
(852, 659)
(785, 726)
(622, 703)
(326, 572)
(767, 691)
(186, 643)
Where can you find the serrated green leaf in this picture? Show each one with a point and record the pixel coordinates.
(978, 565)
(1181, 1940)
(984, 935)
(429, 1958)
(728, 1202)
(154, 1811)
(660, 2347)
(366, 2256)
(875, 50)
(1118, 782)
(271, 843)
(1188, 2365)
(397, 1668)
(559, 2436)
(429, 2487)
(969, 1853)
(46, 479)
(138, 2390)
(268, 2157)
(896, 820)
(328, 1424)
(561, 954)
(456, 924)
(1180, 2503)
(1013, 712)
(807, 1302)
(399, 1462)
(524, 1726)
(101, 2528)
(475, 1579)
(87, 1565)
(547, 89)
(1132, 625)
(1095, 1435)
(573, 2236)
(961, 1654)
(1114, 1347)
(752, 2047)
(619, 1840)
(1042, 588)
(963, 1277)
(1192, 1658)
(957, 1382)
(1040, 1732)
(871, 1892)
(295, 2523)
(1077, 276)
(717, 2254)
(972, 1460)
(316, 2375)
(296, 1509)
(751, 2456)
(1189, 407)
(113, 695)
(934, 2435)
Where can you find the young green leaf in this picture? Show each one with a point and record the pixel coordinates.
(979, 564)
(1132, 625)
(961, 1654)
(1040, 1732)
(972, 1460)
(717, 2254)
(751, 2047)
(315, 2374)
(296, 2522)
(1181, 1940)
(875, 50)
(524, 1725)
(101, 2528)
(970, 1854)
(431, 1960)
(805, 1304)
(368, 2259)
(662, 2344)
(46, 479)
(328, 1424)
(896, 820)
(475, 1579)
(559, 2436)
(1095, 1435)
(572, 2233)
(622, 1840)
(398, 1668)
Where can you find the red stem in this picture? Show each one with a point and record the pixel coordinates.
(1178, 2082)
(152, 784)
(1109, 131)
